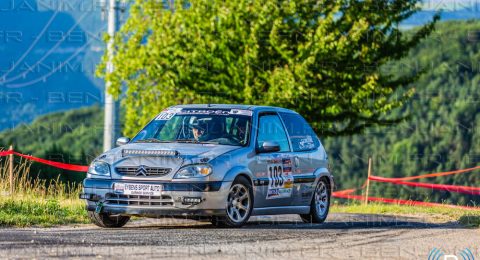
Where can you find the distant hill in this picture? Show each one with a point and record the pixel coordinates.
(73, 136)
(442, 133)
(77, 132)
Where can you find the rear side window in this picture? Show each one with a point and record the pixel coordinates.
(302, 136)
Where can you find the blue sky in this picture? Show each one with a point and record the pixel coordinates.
(450, 5)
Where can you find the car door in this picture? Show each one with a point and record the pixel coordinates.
(273, 170)
(306, 156)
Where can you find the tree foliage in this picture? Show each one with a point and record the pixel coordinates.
(319, 58)
(442, 131)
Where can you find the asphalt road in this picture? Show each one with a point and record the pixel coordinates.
(343, 236)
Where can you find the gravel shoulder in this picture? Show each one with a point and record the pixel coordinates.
(343, 236)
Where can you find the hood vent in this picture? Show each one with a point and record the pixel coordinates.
(133, 152)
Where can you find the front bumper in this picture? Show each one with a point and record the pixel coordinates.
(210, 198)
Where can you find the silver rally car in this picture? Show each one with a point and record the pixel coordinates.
(218, 162)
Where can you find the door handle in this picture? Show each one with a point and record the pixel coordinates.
(296, 161)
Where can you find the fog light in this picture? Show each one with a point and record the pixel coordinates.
(191, 200)
(91, 197)
(85, 196)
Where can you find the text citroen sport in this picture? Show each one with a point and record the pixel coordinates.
(224, 163)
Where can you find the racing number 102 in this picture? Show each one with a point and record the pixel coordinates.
(275, 174)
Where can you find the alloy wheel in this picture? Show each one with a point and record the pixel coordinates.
(321, 199)
(238, 203)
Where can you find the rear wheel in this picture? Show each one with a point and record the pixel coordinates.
(320, 203)
(107, 221)
(239, 204)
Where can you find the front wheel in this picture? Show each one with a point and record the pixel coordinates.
(239, 204)
(107, 221)
(320, 203)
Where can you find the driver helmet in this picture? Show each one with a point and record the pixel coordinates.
(199, 124)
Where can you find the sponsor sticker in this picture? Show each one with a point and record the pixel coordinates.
(307, 143)
(280, 179)
(241, 112)
(138, 189)
(216, 112)
(167, 114)
(205, 112)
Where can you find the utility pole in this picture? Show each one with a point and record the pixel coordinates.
(111, 122)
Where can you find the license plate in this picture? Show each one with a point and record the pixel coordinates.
(138, 189)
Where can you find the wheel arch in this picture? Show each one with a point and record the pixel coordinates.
(233, 173)
(324, 173)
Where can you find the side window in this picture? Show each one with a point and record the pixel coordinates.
(271, 129)
(302, 136)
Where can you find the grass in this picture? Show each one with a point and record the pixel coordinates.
(41, 212)
(37, 202)
(469, 218)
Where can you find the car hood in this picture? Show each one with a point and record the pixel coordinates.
(187, 152)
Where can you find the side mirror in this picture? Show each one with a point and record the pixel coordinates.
(269, 147)
(123, 141)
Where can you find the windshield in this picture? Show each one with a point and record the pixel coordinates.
(216, 126)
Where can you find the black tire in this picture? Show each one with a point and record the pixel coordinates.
(228, 220)
(316, 216)
(107, 221)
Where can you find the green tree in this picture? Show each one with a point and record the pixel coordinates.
(320, 58)
(442, 131)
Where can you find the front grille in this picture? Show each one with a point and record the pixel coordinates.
(143, 171)
(138, 200)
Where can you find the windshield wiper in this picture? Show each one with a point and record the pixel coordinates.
(209, 142)
(186, 141)
(193, 141)
(150, 140)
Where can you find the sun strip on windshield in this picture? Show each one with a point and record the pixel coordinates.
(168, 114)
(224, 112)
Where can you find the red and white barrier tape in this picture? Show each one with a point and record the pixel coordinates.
(64, 166)
(437, 174)
(345, 194)
(348, 194)
(445, 187)
(6, 153)
(401, 202)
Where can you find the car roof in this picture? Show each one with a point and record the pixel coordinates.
(234, 106)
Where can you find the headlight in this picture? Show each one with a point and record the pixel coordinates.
(194, 171)
(99, 168)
